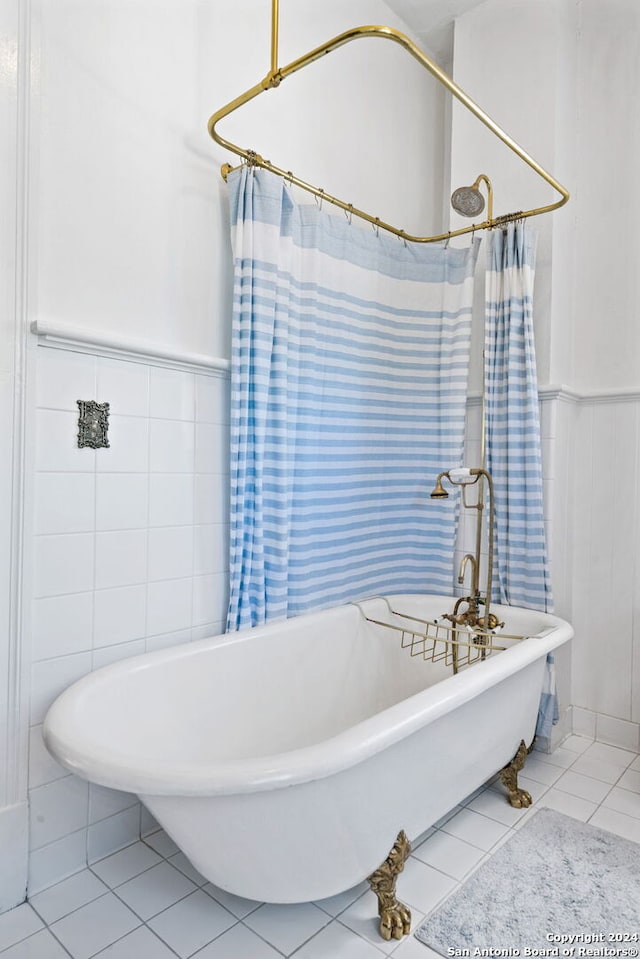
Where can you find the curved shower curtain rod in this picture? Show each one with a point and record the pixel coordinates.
(277, 74)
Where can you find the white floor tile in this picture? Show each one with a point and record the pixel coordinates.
(162, 844)
(362, 918)
(597, 769)
(421, 886)
(42, 945)
(124, 865)
(287, 927)
(95, 926)
(626, 826)
(411, 948)
(495, 805)
(635, 765)
(474, 794)
(449, 855)
(570, 805)
(610, 754)
(155, 890)
(334, 905)
(535, 788)
(630, 780)
(584, 786)
(17, 924)
(192, 923)
(238, 943)
(139, 944)
(559, 757)
(474, 828)
(335, 941)
(542, 772)
(180, 861)
(576, 744)
(68, 895)
(623, 801)
(447, 816)
(237, 905)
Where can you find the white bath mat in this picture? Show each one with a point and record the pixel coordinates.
(552, 881)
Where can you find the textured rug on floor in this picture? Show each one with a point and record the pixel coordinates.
(554, 878)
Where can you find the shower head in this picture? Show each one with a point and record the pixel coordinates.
(439, 492)
(467, 200)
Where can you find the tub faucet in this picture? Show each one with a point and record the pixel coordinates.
(469, 558)
(471, 615)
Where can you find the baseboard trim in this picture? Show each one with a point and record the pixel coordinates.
(14, 821)
(611, 730)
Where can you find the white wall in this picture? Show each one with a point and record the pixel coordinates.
(606, 351)
(127, 241)
(555, 90)
(131, 210)
(526, 46)
(607, 283)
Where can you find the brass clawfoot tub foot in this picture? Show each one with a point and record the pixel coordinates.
(519, 798)
(395, 918)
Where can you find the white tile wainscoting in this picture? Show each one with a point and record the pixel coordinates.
(130, 554)
(131, 551)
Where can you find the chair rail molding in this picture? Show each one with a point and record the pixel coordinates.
(61, 335)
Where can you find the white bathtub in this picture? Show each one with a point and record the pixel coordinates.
(284, 760)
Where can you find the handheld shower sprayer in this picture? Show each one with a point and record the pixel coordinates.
(458, 477)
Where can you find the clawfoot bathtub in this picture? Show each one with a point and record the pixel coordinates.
(285, 760)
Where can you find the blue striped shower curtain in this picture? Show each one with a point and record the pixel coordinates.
(349, 373)
(513, 421)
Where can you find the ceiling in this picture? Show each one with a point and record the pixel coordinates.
(432, 21)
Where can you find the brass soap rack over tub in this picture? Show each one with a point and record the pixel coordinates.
(438, 642)
(467, 634)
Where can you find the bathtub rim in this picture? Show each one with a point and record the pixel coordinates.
(72, 746)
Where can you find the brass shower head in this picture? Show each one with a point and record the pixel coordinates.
(439, 492)
(469, 201)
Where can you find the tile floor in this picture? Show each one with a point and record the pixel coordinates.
(147, 902)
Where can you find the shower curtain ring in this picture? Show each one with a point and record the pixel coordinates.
(321, 194)
(376, 226)
(446, 242)
(349, 212)
(289, 177)
(402, 236)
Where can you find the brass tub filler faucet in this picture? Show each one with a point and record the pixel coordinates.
(468, 633)
(471, 616)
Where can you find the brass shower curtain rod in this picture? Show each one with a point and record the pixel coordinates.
(277, 74)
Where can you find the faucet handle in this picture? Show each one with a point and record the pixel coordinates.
(493, 622)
